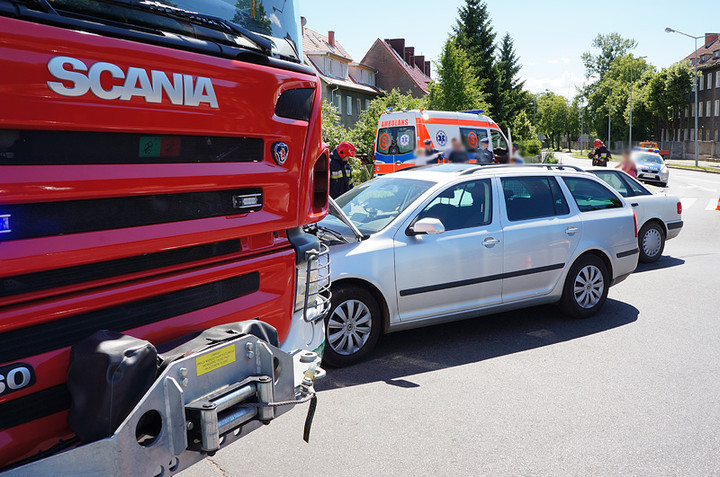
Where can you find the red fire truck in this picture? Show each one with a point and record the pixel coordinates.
(160, 293)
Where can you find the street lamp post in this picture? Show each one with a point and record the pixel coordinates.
(670, 30)
(631, 100)
(609, 112)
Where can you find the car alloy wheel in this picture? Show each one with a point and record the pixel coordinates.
(589, 286)
(349, 327)
(652, 242)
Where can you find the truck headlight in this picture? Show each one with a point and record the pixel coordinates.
(312, 285)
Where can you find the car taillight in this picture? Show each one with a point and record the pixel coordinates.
(679, 207)
(635, 221)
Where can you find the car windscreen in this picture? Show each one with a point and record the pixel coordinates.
(373, 205)
(396, 140)
(270, 18)
(648, 159)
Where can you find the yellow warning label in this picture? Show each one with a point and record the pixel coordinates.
(215, 359)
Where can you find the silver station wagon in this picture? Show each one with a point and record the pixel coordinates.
(447, 242)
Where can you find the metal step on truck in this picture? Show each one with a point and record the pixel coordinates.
(161, 294)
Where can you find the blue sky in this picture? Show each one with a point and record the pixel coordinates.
(549, 35)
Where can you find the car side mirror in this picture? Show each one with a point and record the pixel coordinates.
(427, 226)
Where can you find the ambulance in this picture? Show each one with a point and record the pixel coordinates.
(399, 133)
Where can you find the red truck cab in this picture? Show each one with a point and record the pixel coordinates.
(158, 162)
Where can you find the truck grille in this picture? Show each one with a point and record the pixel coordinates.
(47, 219)
(45, 280)
(82, 147)
(58, 334)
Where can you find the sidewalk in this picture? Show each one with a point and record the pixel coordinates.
(689, 164)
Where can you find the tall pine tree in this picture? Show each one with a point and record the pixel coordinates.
(510, 88)
(474, 34)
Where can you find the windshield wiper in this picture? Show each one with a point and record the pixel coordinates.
(209, 21)
(332, 233)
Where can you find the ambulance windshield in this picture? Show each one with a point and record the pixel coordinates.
(396, 140)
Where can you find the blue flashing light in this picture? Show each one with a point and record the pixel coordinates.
(5, 223)
(474, 111)
(389, 110)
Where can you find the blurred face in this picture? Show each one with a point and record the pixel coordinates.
(626, 157)
(484, 145)
(456, 144)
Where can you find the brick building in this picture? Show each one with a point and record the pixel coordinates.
(349, 85)
(397, 66)
(708, 91)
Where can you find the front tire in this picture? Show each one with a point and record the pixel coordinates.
(352, 327)
(651, 242)
(586, 287)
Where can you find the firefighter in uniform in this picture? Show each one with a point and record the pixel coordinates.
(341, 179)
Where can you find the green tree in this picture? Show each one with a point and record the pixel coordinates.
(552, 117)
(456, 88)
(612, 93)
(474, 33)
(611, 46)
(665, 95)
(524, 133)
(333, 133)
(511, 97)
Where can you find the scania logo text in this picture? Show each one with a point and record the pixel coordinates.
(103, 80)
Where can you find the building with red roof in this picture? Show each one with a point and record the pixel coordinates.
(398, 66)
(347, 84)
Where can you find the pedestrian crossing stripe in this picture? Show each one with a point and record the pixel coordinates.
(712, 204)
(687, 202)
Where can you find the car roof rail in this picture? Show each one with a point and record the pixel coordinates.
(560, 167)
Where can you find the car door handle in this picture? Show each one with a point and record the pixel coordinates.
(634, 204)
(489, 242)
(572, 230)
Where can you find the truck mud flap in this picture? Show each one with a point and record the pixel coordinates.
(201, 402)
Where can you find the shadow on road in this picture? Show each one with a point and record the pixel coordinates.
(405, 353)
(662, 262)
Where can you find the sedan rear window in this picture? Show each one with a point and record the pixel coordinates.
(590, 195)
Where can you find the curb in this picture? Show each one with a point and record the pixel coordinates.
(670, 166)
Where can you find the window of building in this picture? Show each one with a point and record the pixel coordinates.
(686, 112)
(533, 198)
(708, 108)
(337, 100)
(700, 82)
(462, 206)
(717, 78)
(358, 105)
(716, 136)
(700, 109)
(590, 195)
(349, 105)
(717, 107)
(367, 104)
(709, 80)
(692, 110)
(692, 134)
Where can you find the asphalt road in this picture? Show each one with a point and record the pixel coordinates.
(633, 391)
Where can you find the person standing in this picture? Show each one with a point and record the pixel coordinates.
(485, 155)
(457, 153)
(627, 165)
(341, 179)
(429, 149)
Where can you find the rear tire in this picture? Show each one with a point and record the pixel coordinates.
(352, 327)
(586, 287)
(651, 242)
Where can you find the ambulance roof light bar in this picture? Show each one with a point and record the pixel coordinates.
(474, 111)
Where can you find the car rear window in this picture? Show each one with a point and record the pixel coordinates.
(590, 195)
(533, 198)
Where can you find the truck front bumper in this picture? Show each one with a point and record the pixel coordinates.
(200, 403)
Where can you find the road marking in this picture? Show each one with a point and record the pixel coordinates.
(687, 202)
(712, 204)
